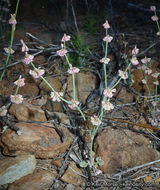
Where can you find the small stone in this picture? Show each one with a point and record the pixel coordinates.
(71, 175)
(57, 162)
(27, 111)
(39, 180)
(69, 187)
(14, 168)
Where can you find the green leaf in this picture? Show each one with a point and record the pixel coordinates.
(83, 164)
(99, 161)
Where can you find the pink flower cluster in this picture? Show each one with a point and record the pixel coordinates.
(74, 104)
(17, 99)
(134, 59)
(37, 73)
(73, 70)
(63, 51)
(28, 58)
(56, 96)
(20, 82)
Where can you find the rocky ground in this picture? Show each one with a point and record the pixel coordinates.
(54, 139)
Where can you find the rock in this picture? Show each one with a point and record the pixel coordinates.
(26, 111)
(72, 177)
(30, 88)
(121, 148)
(57, 162)
(54, 82)
(5, 88)
(69, 187)
(14, 72)
(14, 168)
(39, 180)
(39, 60)
(124, 96)
(42, 141)
(85, 84)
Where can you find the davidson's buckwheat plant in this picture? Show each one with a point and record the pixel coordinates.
(108, 92)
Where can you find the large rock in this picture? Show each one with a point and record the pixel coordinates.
(41, 140)
(121, 148)
(27, 111)
(12, 169)
(85, 84)
(39, 180)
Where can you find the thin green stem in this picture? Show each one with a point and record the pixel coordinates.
(11, 43)
(121, 77)
(74, 88)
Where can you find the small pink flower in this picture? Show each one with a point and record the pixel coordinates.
(56, 96)
(148, 71)
(37, 73)
(19, 132)
(74, 104)
(8, 49)
(144, 81)
(65, 38)
(135, 51)
(155, 75)
(73, 70)
(154, 18)
(106, 25)
(105, 60)
(108, 38)
(3, 111)
(156, 82)
(109, 92)
(145, 60)
(122, 74)
(153, 8)
(28, 58)
(95, 120)
(24, 47)
(107, 105)
(143, 67)
(20, 82)
(134, 60)
(158, 33)
(12, 20)
(17, 99)
(62, 52)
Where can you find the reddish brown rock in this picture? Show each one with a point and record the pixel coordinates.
(39, 180)
(27, 111)
(37, 139)
(121, 148)
(5, 88)
(39, 60)
(57, 162)
(125, 96)
(85, 84)
(72, 177)
(30, 88)
(54, 82)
